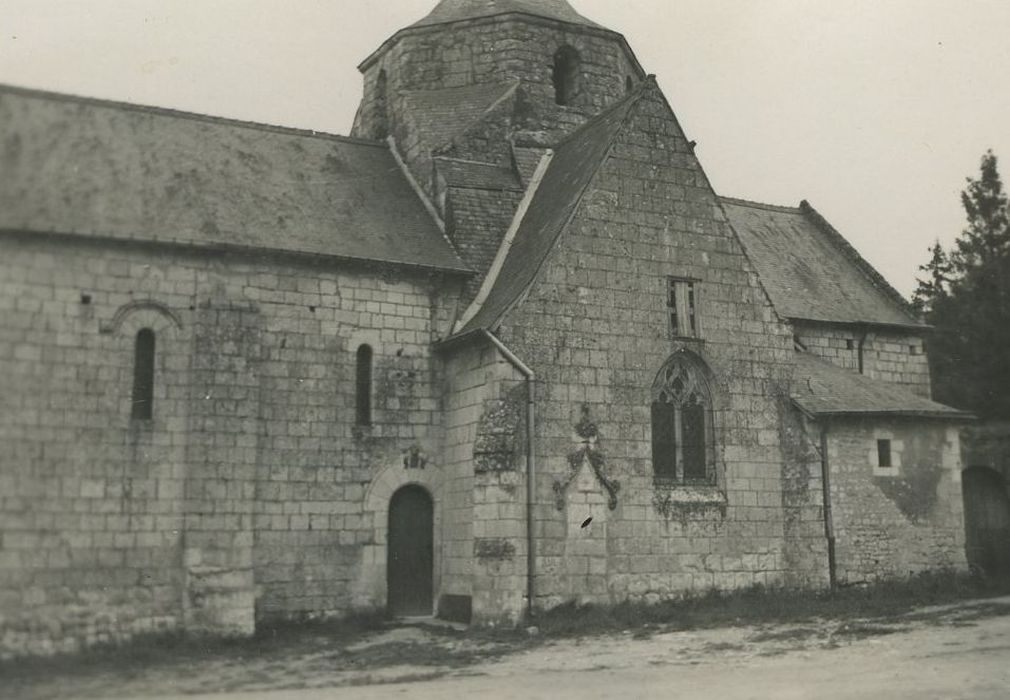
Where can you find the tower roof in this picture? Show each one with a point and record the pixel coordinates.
(459, 10)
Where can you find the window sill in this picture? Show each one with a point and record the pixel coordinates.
(701, 494)
(686, 339)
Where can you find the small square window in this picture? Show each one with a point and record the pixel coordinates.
(682, 302)
(913, 349)
(884, 453)
(850, 344)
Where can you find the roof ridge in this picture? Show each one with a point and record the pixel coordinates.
(759, 205)
(862, 264)
(182, 114)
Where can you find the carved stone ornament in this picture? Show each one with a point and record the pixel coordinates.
(587, 437)
(414, 458)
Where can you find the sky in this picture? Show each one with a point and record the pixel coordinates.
(875, 111)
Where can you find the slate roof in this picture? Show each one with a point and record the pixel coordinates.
(526, 159)
(473, 175)
(809, 270)
(822, 389)
(459, 10)
(442, 115)
(93, 168)
(573, 166)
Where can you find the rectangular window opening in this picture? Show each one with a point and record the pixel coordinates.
(683, 307)
(883, 453)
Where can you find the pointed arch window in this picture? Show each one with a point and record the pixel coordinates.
(143, 375)
(683, 449)
(363, 385)
(567, 66)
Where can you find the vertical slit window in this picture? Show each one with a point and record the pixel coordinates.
(683, 307)
(363, 388)
(566, 75)
(671, 304)
(884, 453)
(143, 376)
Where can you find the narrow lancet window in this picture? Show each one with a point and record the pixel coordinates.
(566, 75)
(143, 376)
(363, 389)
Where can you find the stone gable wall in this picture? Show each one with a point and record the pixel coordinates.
(594, 327)
(249, 481)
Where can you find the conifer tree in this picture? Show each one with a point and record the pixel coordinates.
(967, 299)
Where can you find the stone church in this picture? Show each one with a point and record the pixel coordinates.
(501, 348)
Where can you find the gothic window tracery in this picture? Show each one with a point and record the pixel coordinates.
(682, 430)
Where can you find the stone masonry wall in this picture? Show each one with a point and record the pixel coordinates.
(484, 534)
(249, 480)
(594, 327)
(891, 522)
(891, 356)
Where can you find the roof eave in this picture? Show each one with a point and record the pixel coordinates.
(952, 415)
(234, 248)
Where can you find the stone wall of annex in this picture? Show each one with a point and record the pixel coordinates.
(594, 328)
(891, 356)
(249, 482)
(896, 521)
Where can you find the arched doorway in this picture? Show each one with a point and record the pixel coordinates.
(409, 559)
(986, 519)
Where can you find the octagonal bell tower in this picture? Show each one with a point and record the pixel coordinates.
(466, 54)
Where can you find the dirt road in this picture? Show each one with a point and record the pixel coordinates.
(956, 651)
(942, 653)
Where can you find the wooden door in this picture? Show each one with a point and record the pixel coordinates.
(409, 563)
(986, 519)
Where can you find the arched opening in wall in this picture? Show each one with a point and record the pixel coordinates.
(143, 376)
(410, 553)
(629, 84)
(683, 443)
(566, 75)
(381, 130)
(363, 385)
(986, 519)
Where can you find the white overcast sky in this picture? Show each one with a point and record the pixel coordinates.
(873, 110)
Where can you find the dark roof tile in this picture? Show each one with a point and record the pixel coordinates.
(822, 389)
(810, 271)
(474, 175)
(105, 169)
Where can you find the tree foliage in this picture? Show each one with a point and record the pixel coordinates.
(966, 297)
